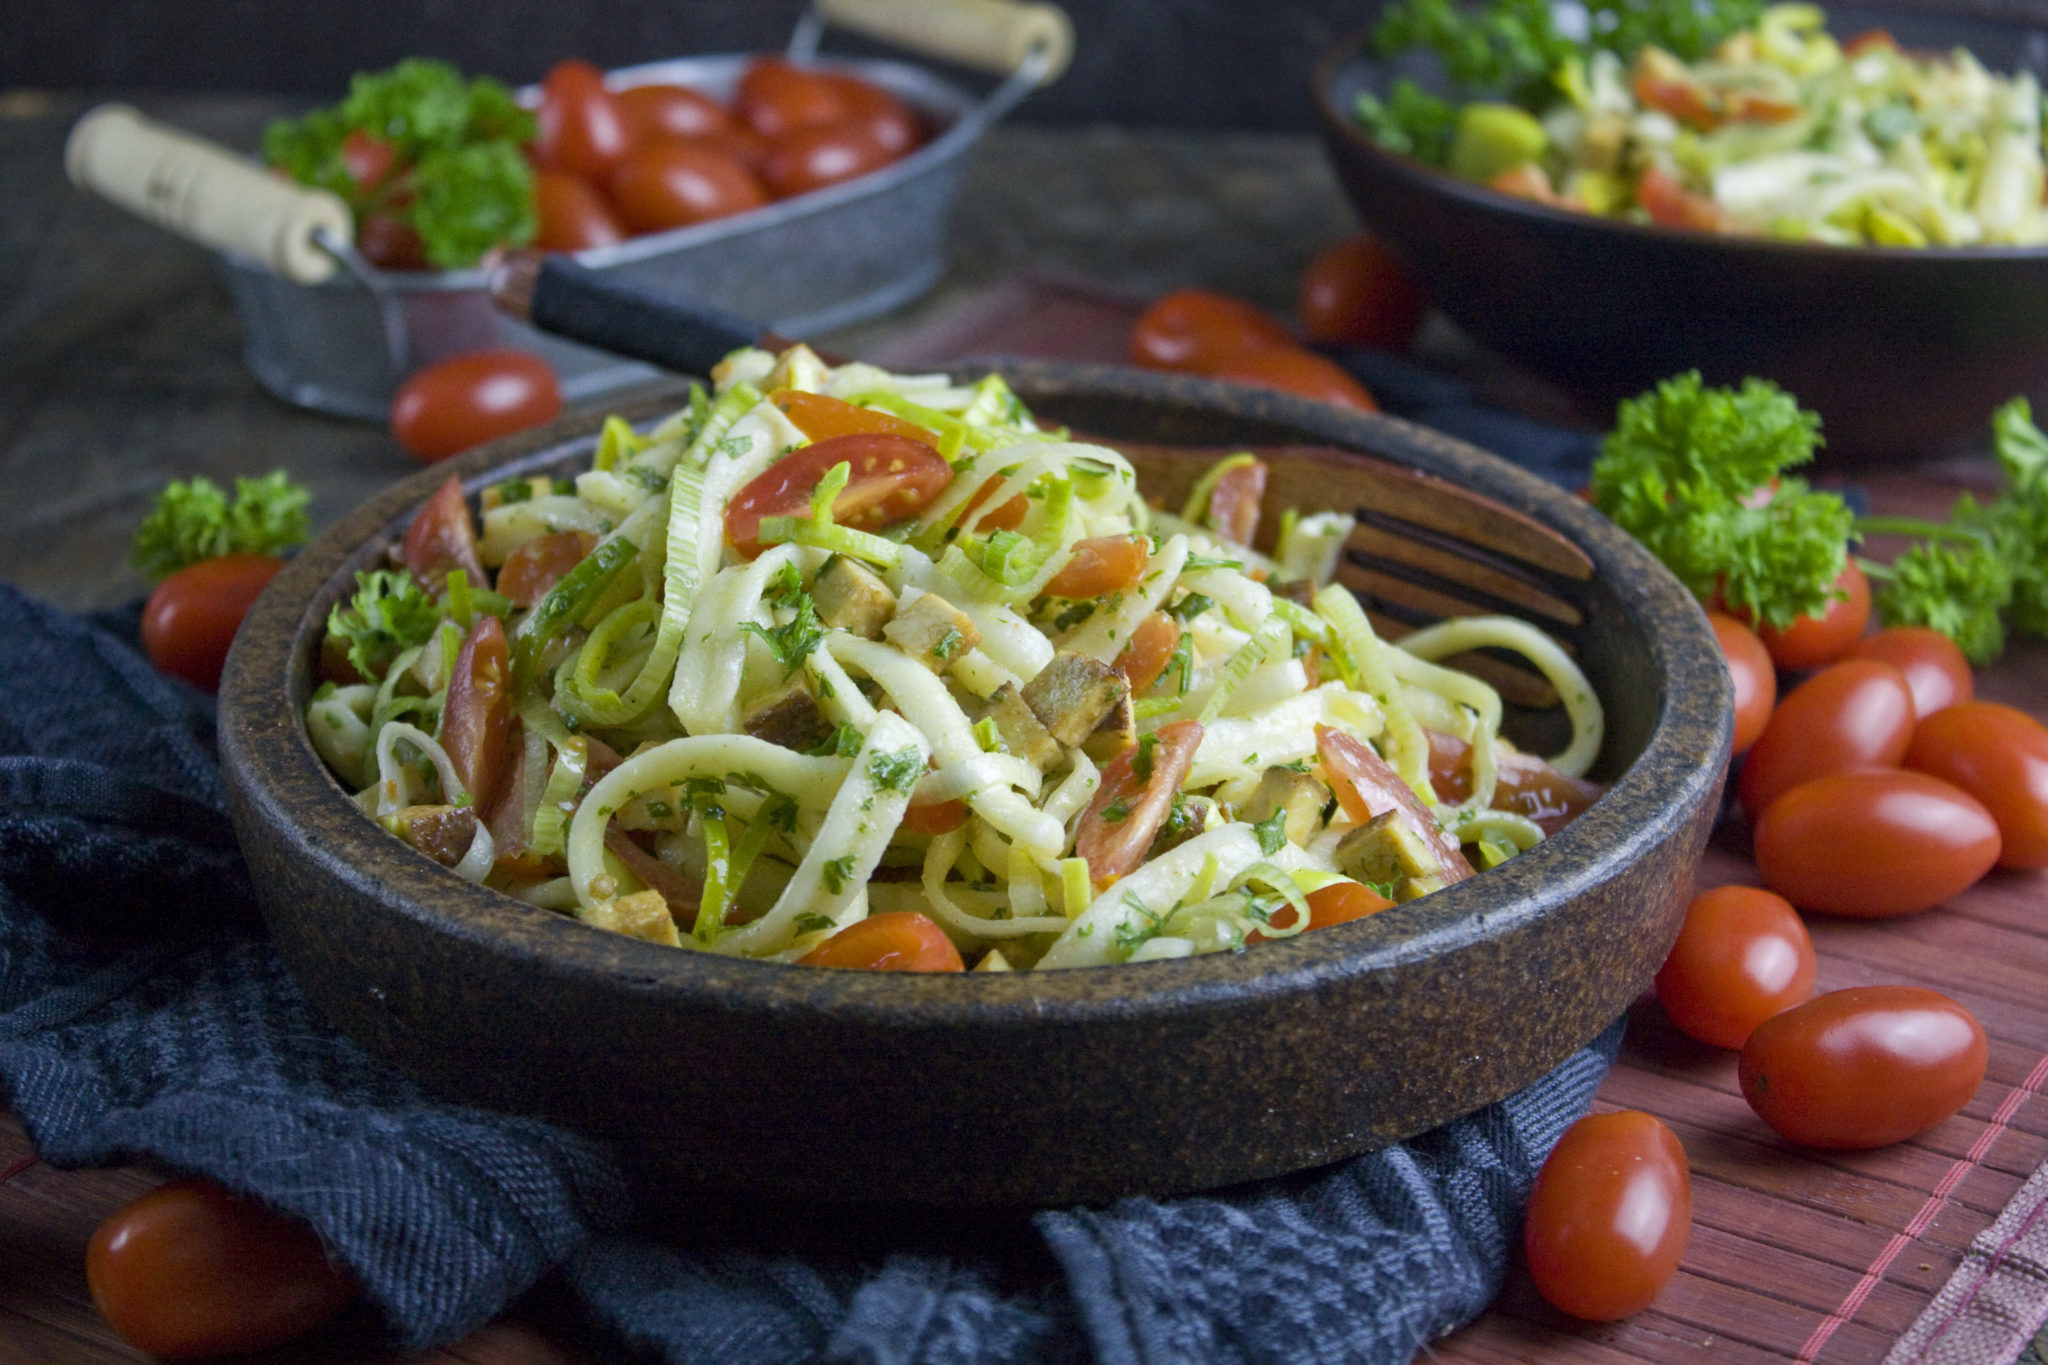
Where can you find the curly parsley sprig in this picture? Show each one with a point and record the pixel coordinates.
(193, 520)
(388, 614)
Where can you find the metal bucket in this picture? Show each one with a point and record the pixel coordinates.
(800, 266)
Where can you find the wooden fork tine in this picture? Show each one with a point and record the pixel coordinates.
(1373, 544)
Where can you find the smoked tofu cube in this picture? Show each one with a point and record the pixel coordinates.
(788, 716)
(1113, 734)
(644, 914)
(1300, 794)
(933, 631)
(1386, 852)
(850, 597)
(443, 833)
(1072, 695)
(1021, 733)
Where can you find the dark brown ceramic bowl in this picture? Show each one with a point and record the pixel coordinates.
(1903, 352)
(1029, 1088)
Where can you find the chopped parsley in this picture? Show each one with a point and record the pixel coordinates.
(836, 874)
(843, 742)
(1192, 605)
(794, 639)
(810, 924)
(1073, 616)
(1116, 812)
(948, 644)
(1272, 832)
(897, 772)
(1141, 762)
(1196, 563)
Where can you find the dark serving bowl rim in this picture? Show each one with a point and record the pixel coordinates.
(265, 747)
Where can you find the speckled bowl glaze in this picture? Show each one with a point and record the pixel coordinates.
(1026, 1088)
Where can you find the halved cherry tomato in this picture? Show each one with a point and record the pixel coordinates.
(653, 112)
(191, 1269)
(903, 941)
(1812, 641)
(1114, 847)
(442, 537)
(1743, 956)
(888, 118)
(1610, 1216)
(1864, 1067)
(1337, 903)
(1756, 680)
(1365, 785)
(775, 97)
(572, 215)
(1523, 783)
(940, 817)
(1855, 714)
(1234, 501)
(1999, 755)
(1357, 293)
(806, 159)
(538, 564)
(468, 399)
(892, 478)
(581, 130)
(476, 718)
(1144, 657)
(191, 619)
(1198, 329)
(1295, 370)
(1934, 666)
(674, 184)
(1670, 204)
(820, 416)
(1874, 844)
(1099, 566)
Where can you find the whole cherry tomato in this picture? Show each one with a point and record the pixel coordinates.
(775, 97)
(891, 478)
(369, 159)
(903, 941)
(1197, 329)
(1864, 1067)
(476, 718)
(441, 538)
(1874, 844)
(1610, 1215)
(1743, 956)
(573, 216)
(654, 112)
(1357, 293)
(581, 129)
(538, 564)
(1099, 566)
(674, 184)
(888, 118)
(1812, 641)
(389, 244)
(1295, 370)
(1234, 499)
(469, 399)
(1151, 645)
(1855, 714)
(1934, 667)
(191, 618)
(810, 158)
(1756, 680)
(2000, 756)
(1114, 847)
(191, 1269)
(736, 142)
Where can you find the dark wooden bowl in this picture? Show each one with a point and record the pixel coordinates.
(1030, 1088)
(1903, 352)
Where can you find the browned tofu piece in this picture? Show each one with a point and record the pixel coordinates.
(788, 716)
(1114, 733)
(1297, 590)
(1072, 694)
(850, 597)
(1384, 851)
(443, 833)
(1021, 733)
(1300, 794)
(933, 631)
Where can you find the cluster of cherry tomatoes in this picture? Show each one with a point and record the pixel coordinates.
(610, 164)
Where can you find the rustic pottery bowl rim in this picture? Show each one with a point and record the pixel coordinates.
(265, 748)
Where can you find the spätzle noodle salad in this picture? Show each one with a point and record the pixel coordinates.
(842, 667)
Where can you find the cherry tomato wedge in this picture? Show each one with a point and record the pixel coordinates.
(1365, 785)
(1099, 566)
(653, 112)
(775, 97)
(821, 417)
(572, 215)
(538, 564)
(1234, 501)
(940, 817)
(1812, 641)
(1297, 371)
(1338, 903)
(469, 399)
(1743, 956)
(1863, 1067)
(442, 537)
(190, 1269)
(1610, 1216)
(1855, 714)
(807, 159)
(1357, 293)
(1756, 678)
(1933, 665)
(1999, 755)
(903, 941)
(476, 718)
(1671, 204)
(892, 478)
(191, 619)
(674, 184)
(1008, 517)
(1197, 329)
(581, 128)
(1523, 783)
(1874, 844)
(1144, 657)
(1114, 847)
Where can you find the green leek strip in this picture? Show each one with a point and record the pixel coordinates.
(1506, 632)
(573, 595)
(1368, 654)
(1196, 509)
(1053, 539)
(828, 491)
(994, 404)
(1076, 890)
(879, 551)
(1276, 880)
(558, 797)
(1271, 635)
(718, 879)
(1303, 622)
(953, 433)
(776, 816)
(461, 606)
(618, 438)
(1461, 689)
(1150, 708)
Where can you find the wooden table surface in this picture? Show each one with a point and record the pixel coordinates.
(119, 368)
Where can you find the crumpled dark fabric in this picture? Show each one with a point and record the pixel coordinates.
(143, 1015)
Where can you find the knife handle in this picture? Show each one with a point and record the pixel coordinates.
(557, 295)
